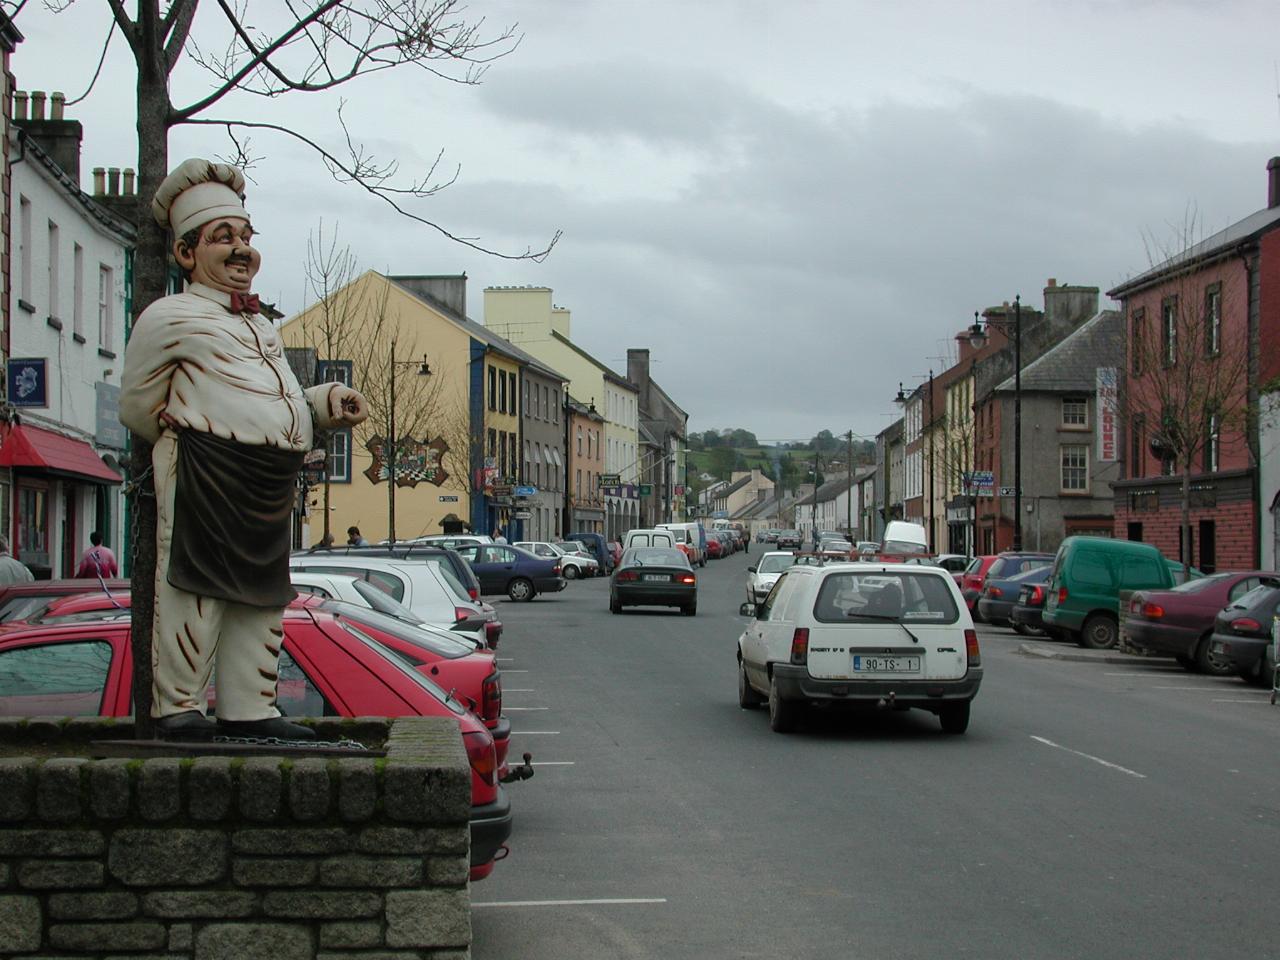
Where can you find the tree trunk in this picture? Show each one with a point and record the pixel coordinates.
(151, 263)
(1184, 529)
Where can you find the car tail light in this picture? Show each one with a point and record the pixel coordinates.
(492, 633)
(627, 575)
(800, 645)
(462, 614)
(1246, 625)
(995, 592)
(491, 698)
(688, 578)
(1152, 611)
(555, 570)
(482, 755)
(473, 593)
(971, 647)
(1062, 595)
(1037, 596)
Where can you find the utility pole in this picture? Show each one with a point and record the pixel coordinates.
(848, 461)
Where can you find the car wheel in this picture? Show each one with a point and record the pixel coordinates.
(690, 609)
(569, 572)
(977, 614)
(1099, 633)
(783, 714)
(1185, 662)
(1206, 662)
(748, 699)
(520, 589)
(614, 605)
(954, 717)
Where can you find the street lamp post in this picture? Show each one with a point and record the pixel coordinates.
(424, 370)
(978, 339)
(901, 400)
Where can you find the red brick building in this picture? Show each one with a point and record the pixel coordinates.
(1217, 285)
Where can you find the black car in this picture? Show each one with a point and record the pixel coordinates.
(789, 539)
(1000, 594)
(1027, 615)
(654, 576)
(1242, 634)
(407, 551)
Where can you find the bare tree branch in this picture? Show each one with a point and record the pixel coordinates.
(346, 172)
(176, 27)
(111, 32)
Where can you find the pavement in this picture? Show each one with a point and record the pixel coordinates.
(1058, 651)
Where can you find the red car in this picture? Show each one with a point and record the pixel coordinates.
(715, 549)
(22, 601)
(971, 579)
(326, 669)
(1180, 621)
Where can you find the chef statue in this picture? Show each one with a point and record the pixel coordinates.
(206, 382)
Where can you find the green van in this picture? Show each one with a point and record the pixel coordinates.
(1084, 588)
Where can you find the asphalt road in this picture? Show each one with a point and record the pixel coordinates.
(1093, 810)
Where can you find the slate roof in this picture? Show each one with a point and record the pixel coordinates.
(1224, 241)
(124, 232)
(1071, 365)
(734, 487)
(829, 490)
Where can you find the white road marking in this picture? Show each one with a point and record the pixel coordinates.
(1163, 674)
(551, 763)
(1262, 699)
(505, 659)
(518, 690)
(535, 733)
(567, 903)
(514, 671)
(521, 709)
(1089, 756)
(1209, 687)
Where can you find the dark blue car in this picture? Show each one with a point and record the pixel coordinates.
(521, 575)
(596, 543)
(1000, 594)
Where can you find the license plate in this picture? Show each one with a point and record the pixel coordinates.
(864, 664)
(656, 578)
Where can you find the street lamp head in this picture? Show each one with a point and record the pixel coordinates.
(977, 335)
(901, 398)
(425, 369)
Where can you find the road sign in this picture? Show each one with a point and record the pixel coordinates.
(448, 498)
(608, 480)
(1008, 491)
(526, 491)
(646, 489)
(521, 514)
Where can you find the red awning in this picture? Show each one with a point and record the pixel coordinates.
(34, 448)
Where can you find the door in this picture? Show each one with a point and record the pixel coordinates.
(1208, 546)
(69, 518)
(494, 566)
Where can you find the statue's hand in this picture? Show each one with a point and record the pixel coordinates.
(347, 406)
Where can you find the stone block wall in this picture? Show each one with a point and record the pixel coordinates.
(215, 858)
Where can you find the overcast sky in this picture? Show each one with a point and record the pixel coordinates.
(792, 205)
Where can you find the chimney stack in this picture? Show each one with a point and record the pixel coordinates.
(57, 136)
(113, 181)
(127, 188)
(99, 181)
(1273, 183)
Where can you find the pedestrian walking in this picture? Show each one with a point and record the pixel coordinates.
(355, 539)
(97, 561)
(12, 570)
(497, 535)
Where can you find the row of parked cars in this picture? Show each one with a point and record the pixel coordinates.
(387, 630)
(1103, 593)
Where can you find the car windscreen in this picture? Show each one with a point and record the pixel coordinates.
(654, 557)
(440, 642)
(403, 665)
(1254, 597)
(378, 599)
(1204, 583)
(776, 564)
(901, 596)
(1037, 574)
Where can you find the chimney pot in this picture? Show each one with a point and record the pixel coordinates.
(37, 104)
(1273, 183)
(1052, 282)
(127, 188)
(56, 102)
(99, 181)
(113, 181)
(20, 105)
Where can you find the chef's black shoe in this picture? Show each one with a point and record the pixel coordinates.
(277, 727)
(188, 725)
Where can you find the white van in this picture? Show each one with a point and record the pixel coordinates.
(903, 538)
(649, 538)
(694, 537)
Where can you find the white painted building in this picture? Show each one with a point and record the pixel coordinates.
(69, 302)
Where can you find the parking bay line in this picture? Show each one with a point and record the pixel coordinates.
(570, 903)
(522, 709)
(551, 763)
(1089, 756)
(535, 733)
(1265, 698)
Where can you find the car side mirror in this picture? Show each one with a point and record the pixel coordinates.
(751, 569)
(747, 610)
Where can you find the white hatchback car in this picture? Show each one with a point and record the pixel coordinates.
(764, 573)
(860, 633)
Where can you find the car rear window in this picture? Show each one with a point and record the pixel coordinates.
(357, 621)
(776, 564)
(378, 599)
(904, 596)
(1204, 583)
(655, 556)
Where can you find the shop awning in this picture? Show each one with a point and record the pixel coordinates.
(34, 448)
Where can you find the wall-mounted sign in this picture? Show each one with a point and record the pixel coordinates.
(521, 514)
(415, 461)
(646, 489)
(608, 479)
(29, 382)
(1107, 402)
(447, 498)
(109, 431)
(526, 491)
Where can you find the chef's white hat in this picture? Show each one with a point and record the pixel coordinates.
(196, 192)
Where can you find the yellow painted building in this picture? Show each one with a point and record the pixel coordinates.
(414, 363)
